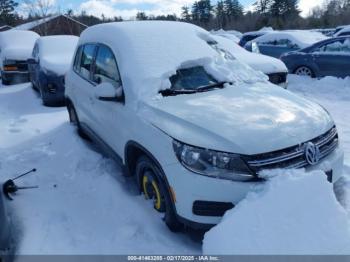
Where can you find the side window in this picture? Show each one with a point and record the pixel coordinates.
(77, 59)
(344, 34)
(106, 68)
(86, 60)
(340, 46)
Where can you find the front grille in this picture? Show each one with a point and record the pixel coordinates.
(294, 157)
(278, 78)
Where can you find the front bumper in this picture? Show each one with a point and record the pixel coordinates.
(189, 188)
(15, 77)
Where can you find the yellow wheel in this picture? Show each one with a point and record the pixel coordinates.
(152, 191)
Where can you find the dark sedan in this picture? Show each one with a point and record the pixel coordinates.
(51, 59)
(330, 57)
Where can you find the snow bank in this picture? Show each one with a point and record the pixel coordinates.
(149, 52)
(293, 213)
(302, 38)
(17, 44)
(227, 35)
(56, 52)
(330, 87)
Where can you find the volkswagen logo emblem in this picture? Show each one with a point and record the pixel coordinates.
(312, 153)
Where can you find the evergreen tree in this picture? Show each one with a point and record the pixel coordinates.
(220, 14)
(7, 11)
(141, 16)
(185, 15)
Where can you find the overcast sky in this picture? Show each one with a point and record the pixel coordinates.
(129, 8)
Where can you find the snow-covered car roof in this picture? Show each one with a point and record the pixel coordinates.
(346, 29)
(56, 52)
(17, 44)
(301, 38)
(149, 52)
(262, 31)
(263, 63)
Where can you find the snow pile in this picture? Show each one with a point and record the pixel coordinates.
(16, 44)
(330, 87)
(293, 213)
(301, 38)
(56, 52)
(149, 52)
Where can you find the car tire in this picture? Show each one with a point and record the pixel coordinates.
(304, 71)
(149, 176)
(74, 119)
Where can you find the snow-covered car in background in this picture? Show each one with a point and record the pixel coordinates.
(249, 36)
(227, 35)
(51, 59)
(194, 127)
(5, 229)
(330, 57)
(274, 68)
(345, 31)
(15, 48)
(279, 42)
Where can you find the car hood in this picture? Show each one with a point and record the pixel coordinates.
(16, 53)
(244, 119)
(263, 63)
(56, 65)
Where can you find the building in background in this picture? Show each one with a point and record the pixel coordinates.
(54, 25)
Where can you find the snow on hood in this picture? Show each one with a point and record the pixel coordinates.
(294, 213)
(149, 52)
(56, 52)
(239, 119)
(17, 44)
(302, 38)
(265, 64)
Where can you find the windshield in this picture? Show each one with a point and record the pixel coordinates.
(191, 79)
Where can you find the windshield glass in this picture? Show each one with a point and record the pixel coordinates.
(191, 79)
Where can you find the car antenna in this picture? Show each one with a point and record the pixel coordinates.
(10, 187)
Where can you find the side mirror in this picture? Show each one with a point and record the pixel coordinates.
(107, 92)
(31, 61)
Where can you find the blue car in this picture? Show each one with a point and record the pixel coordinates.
(51, 59)
(330, 57)
(278, 43)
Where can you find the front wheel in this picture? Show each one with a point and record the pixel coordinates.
(154, 188)
(304, 71)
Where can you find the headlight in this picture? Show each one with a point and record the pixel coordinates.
(213, 163)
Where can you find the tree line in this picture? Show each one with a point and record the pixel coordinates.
(223, 14)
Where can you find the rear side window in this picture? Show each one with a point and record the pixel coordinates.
(344, 34)
(106, 68)
(340, 46)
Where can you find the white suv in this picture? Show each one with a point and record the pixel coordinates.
(189, 121)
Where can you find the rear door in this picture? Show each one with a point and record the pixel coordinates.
(333, 58)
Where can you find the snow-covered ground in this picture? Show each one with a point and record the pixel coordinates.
(84, 204)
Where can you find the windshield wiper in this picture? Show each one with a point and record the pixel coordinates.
(174, 92)
(220, 85)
